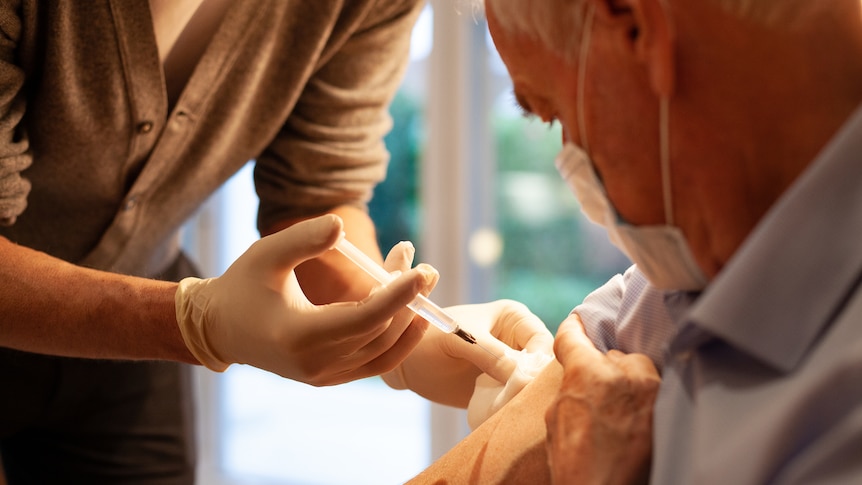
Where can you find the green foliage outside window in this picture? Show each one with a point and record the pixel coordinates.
(395, 205)
(550, 262)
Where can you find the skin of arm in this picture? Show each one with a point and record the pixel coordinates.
(332, 277)
(507, 448)
(54, 307)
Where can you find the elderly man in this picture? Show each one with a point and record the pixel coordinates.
(720, 144)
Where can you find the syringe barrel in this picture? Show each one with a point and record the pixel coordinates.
(435, 315)
(423, 307)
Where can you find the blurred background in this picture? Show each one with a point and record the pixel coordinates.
(472, 183)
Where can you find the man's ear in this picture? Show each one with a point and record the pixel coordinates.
(647, 30)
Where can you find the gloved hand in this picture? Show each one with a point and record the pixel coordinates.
(256, 313)
(444, 368)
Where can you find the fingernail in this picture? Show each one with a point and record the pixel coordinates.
(428, 272)
(408, 248)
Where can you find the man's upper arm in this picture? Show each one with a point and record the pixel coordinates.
(507, 448)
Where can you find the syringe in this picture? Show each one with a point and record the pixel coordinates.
(421, 305)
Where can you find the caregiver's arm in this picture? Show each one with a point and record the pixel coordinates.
(54, 307)
(254, 313)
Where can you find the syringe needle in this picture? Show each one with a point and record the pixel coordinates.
(492, 354)
(464, 335)
(469, 338)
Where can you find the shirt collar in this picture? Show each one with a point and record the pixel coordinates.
(785, 283)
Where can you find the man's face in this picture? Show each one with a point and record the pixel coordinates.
(621, 112)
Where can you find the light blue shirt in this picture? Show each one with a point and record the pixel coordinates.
(628, 314)
(762, 383)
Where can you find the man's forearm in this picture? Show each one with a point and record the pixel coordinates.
(50, 306)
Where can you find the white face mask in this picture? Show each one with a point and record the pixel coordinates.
(660, 252)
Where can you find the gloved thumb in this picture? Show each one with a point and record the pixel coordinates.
(281, 252)
(400, 257)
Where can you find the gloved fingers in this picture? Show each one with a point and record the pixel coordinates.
(394, 353)
(520, 328)
(509, 321)
(336, 342)
(400, 257)
(490, 355)
(281, 252)
(384, 352)
(502, 328)
(362, 322)
(393, 346)
(359, 357)
(344, 338)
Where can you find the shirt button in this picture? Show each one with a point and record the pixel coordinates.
(131, 202)
(180, 119)
(145, 127)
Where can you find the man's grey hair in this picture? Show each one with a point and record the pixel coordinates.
(552, 22)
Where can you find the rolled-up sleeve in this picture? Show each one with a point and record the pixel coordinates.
(14, 154)
(330, 151)
(630, 315)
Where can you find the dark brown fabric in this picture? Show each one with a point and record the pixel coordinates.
(66, 420)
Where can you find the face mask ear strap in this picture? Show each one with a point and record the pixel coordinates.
(664, 118)
(664, 156)
(582, 68)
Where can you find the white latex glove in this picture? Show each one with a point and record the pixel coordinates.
(257, 314)
(444, 368)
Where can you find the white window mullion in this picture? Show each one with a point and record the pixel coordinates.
(457, 176)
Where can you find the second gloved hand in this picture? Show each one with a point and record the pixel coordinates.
(444, 368)
(257, 314)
